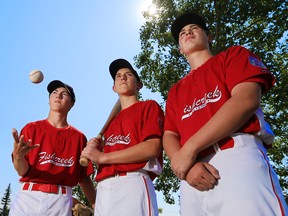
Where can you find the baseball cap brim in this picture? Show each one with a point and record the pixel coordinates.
(186, 19)
(57, 84)
(119, 64)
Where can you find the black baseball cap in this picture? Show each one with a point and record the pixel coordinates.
(186, 19)
(119, 64)
(57, 84)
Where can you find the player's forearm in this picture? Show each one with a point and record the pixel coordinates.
(88, 189)
(229, 118)
(21, 165)
(138, 153)
(171, 143)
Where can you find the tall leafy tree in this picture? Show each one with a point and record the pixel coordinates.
(260, 26)
(5, 201)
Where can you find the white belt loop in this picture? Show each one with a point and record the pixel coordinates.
(29, 187)
(216, 147)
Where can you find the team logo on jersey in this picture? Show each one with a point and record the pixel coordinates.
(46, 158)
(256, 62)
(198, 104)
(118, 139)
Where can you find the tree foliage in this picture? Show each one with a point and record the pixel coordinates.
(79, 194)
(5, 201)
(260, 26)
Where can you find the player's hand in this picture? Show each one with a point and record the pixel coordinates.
(203, 176)
(181, 163)
(96, 142)
(21, 148)
(93, 150)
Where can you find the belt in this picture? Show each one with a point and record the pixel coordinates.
(120, 174)
(223, 144)
(46, 188)
(132, 173)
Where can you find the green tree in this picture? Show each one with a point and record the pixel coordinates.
(79, 194)
(5, 201)
(260, 26)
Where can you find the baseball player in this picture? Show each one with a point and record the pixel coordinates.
(215, 134)
(46, 155)
(132, 154)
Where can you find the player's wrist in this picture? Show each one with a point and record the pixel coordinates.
(102, 158)
(17, 157)
(190, 148)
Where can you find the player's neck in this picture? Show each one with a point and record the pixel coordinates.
(127, 101)
(196, 59)
(57, 120)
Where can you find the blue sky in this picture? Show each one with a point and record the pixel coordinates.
(74, 41)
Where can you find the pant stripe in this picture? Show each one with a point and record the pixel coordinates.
(148, 195)
(272, 182)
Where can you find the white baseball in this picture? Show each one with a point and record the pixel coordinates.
(36, 76)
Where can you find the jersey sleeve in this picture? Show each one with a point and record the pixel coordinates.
(153, 117)
(244, 66)
(86, 171)
(170, 113)
(153, 120)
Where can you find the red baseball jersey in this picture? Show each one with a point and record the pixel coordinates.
(55, 161)
(135, 124)
(199, 95)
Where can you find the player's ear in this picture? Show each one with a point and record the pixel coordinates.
(71, 104)
(210, 38)
(180, 51)
(113, 88)
(140, 85)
